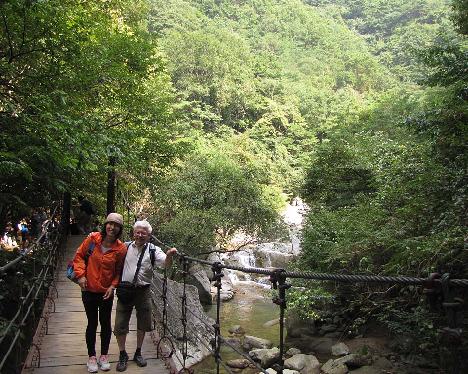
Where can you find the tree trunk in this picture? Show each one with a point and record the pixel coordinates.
(65, 220)
(111, 185)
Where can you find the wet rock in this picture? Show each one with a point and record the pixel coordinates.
(251, 342)
(266, 357)
(292, 351)
(305, 364)
(285, 371)
(334, 367)
(273, 322)
(327, 328)
(333, 335)
(233, 341)
(226, 295)
(237, 329)
(340, 349)
(240, 363)
(199, 279)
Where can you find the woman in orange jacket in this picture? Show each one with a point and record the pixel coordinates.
(98, 276)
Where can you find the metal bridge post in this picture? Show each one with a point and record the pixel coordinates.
(216, 343)
(185, 267)
(278, 280)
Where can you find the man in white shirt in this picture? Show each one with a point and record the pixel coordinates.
(151, 256)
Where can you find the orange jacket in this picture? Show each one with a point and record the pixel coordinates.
(103, 269)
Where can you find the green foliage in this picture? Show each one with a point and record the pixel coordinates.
(337, 177)
(308, 303)
(214, 194)
(80, 82)
(395, 30)
(417, 323)
(412, 142)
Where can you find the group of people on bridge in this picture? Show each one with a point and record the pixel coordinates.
(18, 234)
(103, 264)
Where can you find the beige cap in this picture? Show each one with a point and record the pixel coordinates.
(114, 217)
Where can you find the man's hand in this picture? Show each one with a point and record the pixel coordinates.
(171, 252)
(83, 283)
(109, 293)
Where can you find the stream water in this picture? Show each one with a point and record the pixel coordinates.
(251, 308)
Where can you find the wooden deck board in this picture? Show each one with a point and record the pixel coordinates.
(63, 349)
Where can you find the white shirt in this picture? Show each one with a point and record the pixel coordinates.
(145, 275)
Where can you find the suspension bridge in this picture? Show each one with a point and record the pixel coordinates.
(46, 332)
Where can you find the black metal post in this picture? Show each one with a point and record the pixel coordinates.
(217, 275)
(278, 280)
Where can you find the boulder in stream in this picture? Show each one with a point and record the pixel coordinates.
(305, 364)
(199, 279)
(237, 330)
(252, 342)
(340, 349)
(240, 363)
(266, 357)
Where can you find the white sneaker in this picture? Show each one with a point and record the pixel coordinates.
(92, 365)
(104, 363)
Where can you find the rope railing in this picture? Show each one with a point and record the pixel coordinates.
(434, 283)
(23, 323)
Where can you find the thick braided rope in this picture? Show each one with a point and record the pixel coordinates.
(338, 277)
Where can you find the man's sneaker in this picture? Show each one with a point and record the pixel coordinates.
(92, 365)
(122, 364)
(104, 363)
(140, 361)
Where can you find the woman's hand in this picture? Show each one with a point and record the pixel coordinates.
(109, 293)
(83, 283)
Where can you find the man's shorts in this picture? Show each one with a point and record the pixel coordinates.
(142, 305)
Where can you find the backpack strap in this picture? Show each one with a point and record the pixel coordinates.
(89, 252)
(152, 252)
(139, 264)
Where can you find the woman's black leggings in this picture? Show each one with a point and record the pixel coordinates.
(96, 307)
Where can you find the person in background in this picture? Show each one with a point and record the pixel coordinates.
(35, 224)
(98, 277)
(85, 215)
(142, 301)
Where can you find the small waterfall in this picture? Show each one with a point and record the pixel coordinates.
(270, 254)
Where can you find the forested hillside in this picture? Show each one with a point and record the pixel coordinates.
(220, 111)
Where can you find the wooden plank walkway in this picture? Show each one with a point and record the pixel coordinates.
(63, 349)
